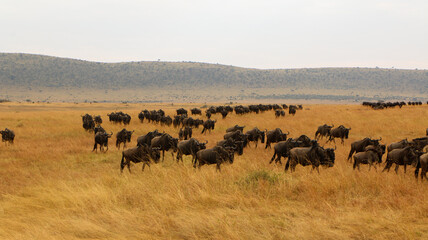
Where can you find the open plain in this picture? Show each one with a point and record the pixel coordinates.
(52, 186)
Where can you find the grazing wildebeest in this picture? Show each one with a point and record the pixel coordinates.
(209, 125)
(230, 143)
(282, 149)
(7, 136)
(98, 120)
(254, 135)
(185, 133)
(235, 128)
(196, 111)
(404, 156)
(359, 146)
(216, 155)
(101, 138)
(147, 139)
(314, 155)
(323, 131)
(396, 145)
(339, 132)
(423, 165)
(138, 154)
(165, 142)
(122, 137)
(189, 147)
(274, 136)
(369, 156)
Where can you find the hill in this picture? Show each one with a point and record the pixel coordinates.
(27, 73)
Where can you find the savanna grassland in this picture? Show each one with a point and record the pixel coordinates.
(53, 187)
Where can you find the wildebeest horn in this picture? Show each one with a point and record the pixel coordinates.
(288, 132)
(380, 139)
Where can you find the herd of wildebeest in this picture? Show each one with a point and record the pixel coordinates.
(302, 150)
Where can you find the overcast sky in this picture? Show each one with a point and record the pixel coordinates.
(257, 34)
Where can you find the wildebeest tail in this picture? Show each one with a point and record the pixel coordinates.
(122, 162)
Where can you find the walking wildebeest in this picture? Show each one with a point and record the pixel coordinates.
(101, 138)
(397, 145)
(98, 129)
(138, 154)
(323, 131)
(122, 137)
(314, 155)
(208, 125)
(339, 132)
(359, 146)
(165, 142)
(216, 155)
(185, 134)
(147, 139)
(189, 147)
(7, 136)
(369, 156)
(254, 135)
(419, 143)
(274, 136)
(234, 128)
(230, 143)
(404, 156)
(423, 165)
(196, 111)
(282, 149)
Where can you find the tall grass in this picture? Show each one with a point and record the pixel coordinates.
(53, 187)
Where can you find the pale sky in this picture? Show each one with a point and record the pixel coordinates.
(256, 34)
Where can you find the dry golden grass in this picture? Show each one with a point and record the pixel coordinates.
(53, 187)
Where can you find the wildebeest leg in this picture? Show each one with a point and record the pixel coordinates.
(129, 166)
(396, 168)
(163, 155)
(122, 163)
(278, 159)
(95, 147)
(144, 164)
(405, 167)
(273, 157)
(343, 142)
(218, 167)
(172, 153)
(387, 166)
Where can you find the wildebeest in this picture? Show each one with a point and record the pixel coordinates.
(340, 132)
(7, 136)
(282, 149)
(189, 147)
(396, 145)
(196, 111)
(138, 154)
(304, 140)
(404, 156)
(209, 125)
(101, 138)
(230, 143)
(185, 133)
(423, 165)
(165, 142)
(419, 143)
(181, 111)
(216, 155)
(224, 114)
(234, 128)
(254, 135)
(369, 156)
(88, 122)
(98, 120)
(314, 155)
(292, 110)
(274, 136)
(98, 129)
(323, 131)
(122, 137)
(359, 146)
(147, 139)
(279, 113)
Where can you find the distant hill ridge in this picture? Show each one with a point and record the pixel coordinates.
(29, 70)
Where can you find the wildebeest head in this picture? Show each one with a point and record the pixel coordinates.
(330, 156)
(155, 154)
(202, 146)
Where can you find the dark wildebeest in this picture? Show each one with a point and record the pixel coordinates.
(339, 132)
(419, 143)
(423, 164)
(208, 114)
(98, 120)
(196, 111)
(292, 110)
(282, 149)
(7, 136)
(314, 155)
(254, 135)
(101, 138)
(279, 113)
(369, 156)
(396, 145)
(189, 147)
(216, 155)
(305, 141)
(404, 156)
(181, 111)
(122, 137)
(274, 136)
(185, 133)
(147, 139)
(359, 146)
(138, 154)
(234, 128)
(224, 113)
(209, 125)
(98, 129)
(165, 142)
(88, 122)
(427, 131)
(230, 143)
(323, 131)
